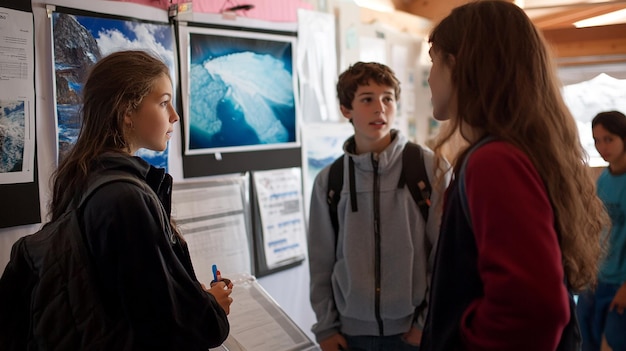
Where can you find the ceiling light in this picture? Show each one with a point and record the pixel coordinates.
(377, 5)
(603, 20)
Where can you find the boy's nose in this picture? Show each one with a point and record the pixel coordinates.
(381, 106)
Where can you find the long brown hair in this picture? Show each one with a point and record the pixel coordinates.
(116, 85)
(507, 87)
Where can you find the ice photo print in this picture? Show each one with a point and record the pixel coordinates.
(240, 91)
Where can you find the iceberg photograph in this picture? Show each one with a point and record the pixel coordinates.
(241, 92)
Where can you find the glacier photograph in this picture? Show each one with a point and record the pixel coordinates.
(12, 132)
(241, 93)
(79, 42)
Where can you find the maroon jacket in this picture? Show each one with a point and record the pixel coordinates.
(498, 286)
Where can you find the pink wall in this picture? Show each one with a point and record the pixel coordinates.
(269, 10)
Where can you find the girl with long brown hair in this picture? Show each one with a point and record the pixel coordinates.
(527, 224)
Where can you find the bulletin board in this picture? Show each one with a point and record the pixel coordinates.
(18, 160)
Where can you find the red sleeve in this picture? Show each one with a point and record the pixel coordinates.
(525, 303)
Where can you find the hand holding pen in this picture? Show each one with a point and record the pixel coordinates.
(221, 289)
(217, 277)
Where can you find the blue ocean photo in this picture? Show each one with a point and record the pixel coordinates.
(241, 94)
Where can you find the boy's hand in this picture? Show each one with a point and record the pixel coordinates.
(335, 343)
(413, 337)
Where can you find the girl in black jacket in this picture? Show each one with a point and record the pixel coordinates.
(142, 269)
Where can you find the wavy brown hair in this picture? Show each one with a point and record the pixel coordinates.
(360, 74)
(116, 85)
(507, 87)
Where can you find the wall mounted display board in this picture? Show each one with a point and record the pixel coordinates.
(279, 226)
(257, 323)
(18, 164)
(81, 38)
(214, 218)
(241, 110)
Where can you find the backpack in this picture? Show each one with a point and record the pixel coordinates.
(571, 339)
(413, 175)
(47, 298)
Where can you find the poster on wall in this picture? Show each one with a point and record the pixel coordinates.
(19, 183)
(79, 40)
(322, 143)
(278, 195)
(17, 97)
(239, 88)
(214, 218)
(317, 66)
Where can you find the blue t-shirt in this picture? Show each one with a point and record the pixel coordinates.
(612, 191)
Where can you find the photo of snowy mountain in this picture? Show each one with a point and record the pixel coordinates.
(241, 92)
(79, 41)
(12, 131)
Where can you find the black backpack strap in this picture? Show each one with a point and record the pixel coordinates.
(335, 183)
(415, 177)
(106, 178)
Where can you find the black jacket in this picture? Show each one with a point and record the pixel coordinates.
(142, 293)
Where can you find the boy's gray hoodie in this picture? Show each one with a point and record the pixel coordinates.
(344, 282)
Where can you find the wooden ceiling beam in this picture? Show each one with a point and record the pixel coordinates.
(557, 26)
(566, 18)
(607, 41)
(434, 10)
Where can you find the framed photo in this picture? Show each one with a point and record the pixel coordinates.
(240, 90)
(80, 39)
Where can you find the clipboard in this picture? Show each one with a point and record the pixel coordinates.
(257, 323)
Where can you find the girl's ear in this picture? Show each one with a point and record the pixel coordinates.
(128, 119)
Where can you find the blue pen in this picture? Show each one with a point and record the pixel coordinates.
(214, 273)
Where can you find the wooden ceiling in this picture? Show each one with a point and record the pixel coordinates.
(604, 44)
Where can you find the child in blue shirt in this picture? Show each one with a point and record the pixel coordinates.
(601, 310)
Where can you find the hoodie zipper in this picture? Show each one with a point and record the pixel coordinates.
(377, 276)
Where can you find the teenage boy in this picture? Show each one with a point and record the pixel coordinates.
(369, 278)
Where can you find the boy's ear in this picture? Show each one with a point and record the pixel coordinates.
(346, 112)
